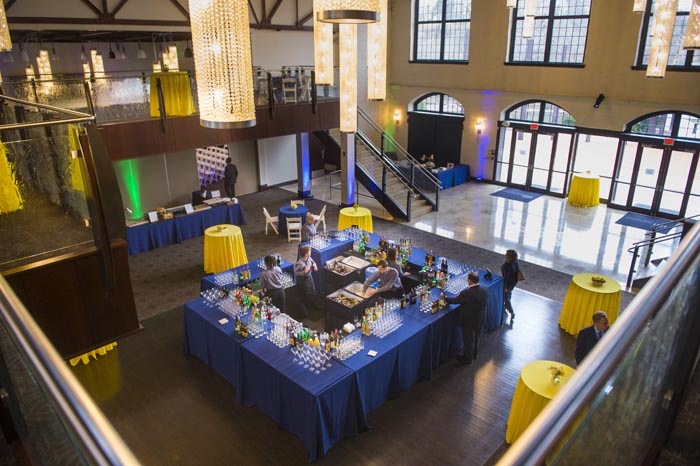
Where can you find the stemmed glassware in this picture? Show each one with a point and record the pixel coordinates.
(224, 278)
(386, 324)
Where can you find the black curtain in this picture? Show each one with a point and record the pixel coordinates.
(435, 134)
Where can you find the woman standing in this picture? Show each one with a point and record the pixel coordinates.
(510, 272)
(271, 281)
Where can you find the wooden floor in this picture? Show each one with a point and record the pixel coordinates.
(173, 410)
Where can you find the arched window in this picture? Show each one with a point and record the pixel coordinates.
(438, 103)
(541, 112)
(676, 125)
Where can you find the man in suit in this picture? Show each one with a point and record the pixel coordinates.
(589, 336)
(230, 177)
(472, 302)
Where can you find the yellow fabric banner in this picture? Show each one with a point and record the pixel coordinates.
(10, 197)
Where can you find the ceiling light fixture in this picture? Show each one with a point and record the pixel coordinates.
(348, 78)
(141, 54)
(54, 55)
(639, 6)
(349, 11)
(223, 63)
(692, 31)
(83, 56)
(511, 3)
(376, 55)
(23, 53)
(188, 51)
(111, 54)
(5, 41)
(323, 48)
(664, 18)
(98, 66)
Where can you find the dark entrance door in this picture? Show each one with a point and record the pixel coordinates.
(435, 134)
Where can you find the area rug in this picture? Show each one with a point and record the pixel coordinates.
(516, 194)
(643, 222)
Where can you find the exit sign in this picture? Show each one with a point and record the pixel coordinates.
(668, 142)
(534, 126)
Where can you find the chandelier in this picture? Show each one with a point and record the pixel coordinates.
(223, 63)
(348, 78)
(5, 41)
(43, 66)
(511, 3)
(376, 55)
(692, 32)
(98, 66)
(323, 48)
(664, 17)
(349, 11)
(529, 22)
(639, 6)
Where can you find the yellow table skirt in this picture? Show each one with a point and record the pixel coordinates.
(223, 248)
(583, 299)
(85, 358)
(349, 216)
(534, 390)
(584, 190)
(177, 94)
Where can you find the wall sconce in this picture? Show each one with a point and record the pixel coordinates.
(479, 125)
(599, 100)
(397, 117)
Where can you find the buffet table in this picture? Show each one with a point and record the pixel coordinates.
(583, 299)
(287, 211)
(209, 281)
(334, 249)
(149, 236)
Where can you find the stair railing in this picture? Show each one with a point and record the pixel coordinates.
(647, 243)
(422, 180)
(661, 227)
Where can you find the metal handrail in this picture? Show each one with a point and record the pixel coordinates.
(393, 168)
(97, 436)
(663, 226)
(80, 116)
(634, 250)
(547, 430)
(404, 152)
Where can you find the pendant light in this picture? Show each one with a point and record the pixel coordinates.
(111, 54)
(140, 54)
(376, 55)
(639, 6)
(5, 41)
(664, 18)
(323, 48)
(223, 63)
(349, 11)
(692, 32)
(23, 53)
(348, 78)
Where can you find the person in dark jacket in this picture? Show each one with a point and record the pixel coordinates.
(271, 281)
(509, 271)
(473, 302)
(589, 336)
(230, 177)
(305, 285)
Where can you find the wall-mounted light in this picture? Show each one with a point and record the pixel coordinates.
(397, 117)
(599, 100)
(479, 125)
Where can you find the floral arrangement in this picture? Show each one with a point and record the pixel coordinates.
(597, 279)
(355, 205)
(557, 373)
(245, 297)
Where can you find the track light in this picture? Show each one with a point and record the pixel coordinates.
(54, 55)
(140, 54)
(23, 53)
(83, 56)
(111, 54)
(599, 100)
(188, 51)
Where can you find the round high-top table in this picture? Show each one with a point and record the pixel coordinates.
(177, 93)
(534, 390)
(361, 216)
(223, 248)
(287, 211)
(583, 299)
(584, 190)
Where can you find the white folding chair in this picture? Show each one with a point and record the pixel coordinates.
(272, 221)
(296, 202)
(321, 218)
(293, 229)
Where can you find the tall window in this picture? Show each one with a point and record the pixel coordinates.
(540, 111)
(439, 103)
(668, 125)
(561, 27)
(441, 31)
(678, 57)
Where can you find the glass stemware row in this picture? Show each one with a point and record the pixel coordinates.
(257, 326)
(320, 241)
(312, 357)
(224, 278)
(457, 268)
(389, 322)
(456, 284)
(349, 346)
(287, 280)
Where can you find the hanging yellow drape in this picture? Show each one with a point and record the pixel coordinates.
(76, 177)
(10, 197)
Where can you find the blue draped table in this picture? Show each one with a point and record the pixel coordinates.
(334, 249)
(445, 177)
(210, 280)
(286, 211)
(165, 232)
(460, 174)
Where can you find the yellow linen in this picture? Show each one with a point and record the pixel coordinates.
(349, 216)
(10, 197)
(583, 299)
(76, 175)
(534, 390)
(85, 358)
(223, 248)
(177, 94)
(584, 190)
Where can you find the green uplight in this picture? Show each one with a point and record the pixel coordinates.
(130, 175)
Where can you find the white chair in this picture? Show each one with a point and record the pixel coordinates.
(321, 218)
(293, 229)
(272, 221)
(289, 90)
(296, 202)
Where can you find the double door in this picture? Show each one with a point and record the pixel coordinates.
(534, 160)
(661, 179)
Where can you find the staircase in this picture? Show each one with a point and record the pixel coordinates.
(392, 180)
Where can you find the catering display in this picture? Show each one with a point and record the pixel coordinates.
(320, 241)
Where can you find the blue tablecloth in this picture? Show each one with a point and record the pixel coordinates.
(460, 174)
(287, 211)
(155, 235)
(445, 177)
(210, 280)
(218, 346)
(334, 249)
(320, 409)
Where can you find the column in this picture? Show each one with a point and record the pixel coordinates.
(347, 169)
(303, 166)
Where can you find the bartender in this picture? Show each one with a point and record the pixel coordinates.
(303, 268)
(271, 281)
(389, 281)
(308, 231)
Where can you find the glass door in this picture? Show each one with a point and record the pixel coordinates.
(522, 148)
(675, 183)
(648, 169)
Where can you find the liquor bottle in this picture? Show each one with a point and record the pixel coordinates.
(427, 258)
(327, 345)
(413, 296)
(443, 302)
(434, 308)
(279, 260)
(238, 324)
(244, 331)
(292, 340)
(403, 302)
(235, 278)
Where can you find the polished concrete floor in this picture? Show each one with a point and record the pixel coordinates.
(547, 231)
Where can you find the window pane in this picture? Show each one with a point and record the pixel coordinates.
(542, 8)
(596, 153)
(557, 116)
(620, 194)
(430, 10)
(528, 112)
(658, 125)
(450, 105)
(568, 40)
(428, 41)
(456, 41)
(530, 49)
(688, 127)
(458, 9)
(430, 104)
(572, 8)
(677, 54)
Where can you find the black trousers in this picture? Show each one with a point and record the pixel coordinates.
(230, 190)
(307, 294)
(470, 339)
(278, 298)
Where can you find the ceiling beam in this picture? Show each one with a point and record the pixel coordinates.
(305, 19)
(252, 8)
(9, 4)
(277, 4)
(117, 8)
(95, 21)
(181, 8)
(89, 4)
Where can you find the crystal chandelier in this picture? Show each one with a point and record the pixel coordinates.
(29, 71)
(43, 66)
(349, 11)
(223, 63)
(323, 48)
(98, 66)
(376, 55)
(529, 22)
(692, 32)
(639, 6)
(348, 78)
(664, 17)
(5, 41)
(511, 3)
(86, 70)
(170, 61)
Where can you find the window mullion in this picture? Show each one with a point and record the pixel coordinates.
(442, 32)
(550, 31)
